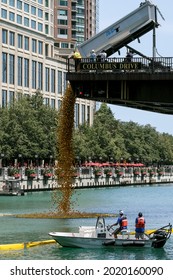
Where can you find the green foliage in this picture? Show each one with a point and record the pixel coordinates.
(28, 128)
(110, 138)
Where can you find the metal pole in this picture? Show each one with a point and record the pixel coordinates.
(154, 42)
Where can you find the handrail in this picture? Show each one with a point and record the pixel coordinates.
(136, 64)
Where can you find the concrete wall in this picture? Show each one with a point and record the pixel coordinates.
(86, 178)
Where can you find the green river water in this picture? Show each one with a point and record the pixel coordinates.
(156, 203)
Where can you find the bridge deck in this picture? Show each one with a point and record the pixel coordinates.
(144, 83)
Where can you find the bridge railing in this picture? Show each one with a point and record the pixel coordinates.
(120, 65)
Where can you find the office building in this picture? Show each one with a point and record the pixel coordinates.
(31, 60)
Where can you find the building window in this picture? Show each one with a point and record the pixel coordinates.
(33, 24)
(26, 21)
(60, 82)
(20, 60)
(11, 69)
(34, 45)
(62, 31)
(88, 114)
(40, 47)
(65, 81)
(33, 10)
(46, 29)
(47, 80)
(4, 67)
(46, 16)
(3, 13)
(52, 103)
(62, 22)
(47, 3)
(11, 3)
(62, 12)
(11, 16)
(46, 101)
(26, 43)
(59, 103)
(19, 95)
(4, 1)
(4, 36)
(19, 4)
(76, 116)
(20, 41)
(34, 74)
(19, 19)
(46, 49)
(83, 114)
(40, 75)
(53, 80)
(26, 8)
(11, 38)
(4, 98)
(26, 72)
(40, 27)
(64, 45)
(40, 1)
(63, 3)
(11, 97)
(40, 13)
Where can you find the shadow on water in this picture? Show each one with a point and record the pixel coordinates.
(54, 252)
(109, 254)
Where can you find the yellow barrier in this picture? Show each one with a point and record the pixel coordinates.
(8, 247)
(148, 231)
(20, 246)
(38, 243)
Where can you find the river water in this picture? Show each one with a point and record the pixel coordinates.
(156, 203)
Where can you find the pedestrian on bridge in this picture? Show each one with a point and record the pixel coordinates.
(93, 56)
(103, 56)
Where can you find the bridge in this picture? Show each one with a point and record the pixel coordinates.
(143, 83)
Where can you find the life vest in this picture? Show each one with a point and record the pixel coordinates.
(124, 222)
(140, 222)
(77, 55)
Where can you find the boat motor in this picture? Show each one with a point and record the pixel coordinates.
(161, 235)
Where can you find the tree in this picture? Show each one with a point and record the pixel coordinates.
(28, 128)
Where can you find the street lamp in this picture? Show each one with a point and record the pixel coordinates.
(50, 162)
(2, 156)
(89, 159)
(111, 159)
(20, 157)
(36, 160)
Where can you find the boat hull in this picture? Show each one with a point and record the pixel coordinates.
(99, 236)
(87, 242)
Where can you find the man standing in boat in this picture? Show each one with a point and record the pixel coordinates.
(139, 226)
(122, 222)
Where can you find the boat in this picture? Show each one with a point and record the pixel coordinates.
(12, 187)
(100, 236)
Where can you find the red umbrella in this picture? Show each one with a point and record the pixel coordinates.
(105, 164)
(90, 164)
(137, 164)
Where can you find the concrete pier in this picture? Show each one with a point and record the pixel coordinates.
(88, 178)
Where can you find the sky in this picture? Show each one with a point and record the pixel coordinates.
(112, 10)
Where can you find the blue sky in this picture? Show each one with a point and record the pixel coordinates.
(112, 10)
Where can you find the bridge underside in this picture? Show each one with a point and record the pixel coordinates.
(149, 92)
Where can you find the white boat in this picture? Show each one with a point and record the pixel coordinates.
(99, 236)
(12, 187)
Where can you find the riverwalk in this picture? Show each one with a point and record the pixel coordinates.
(84, 177)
